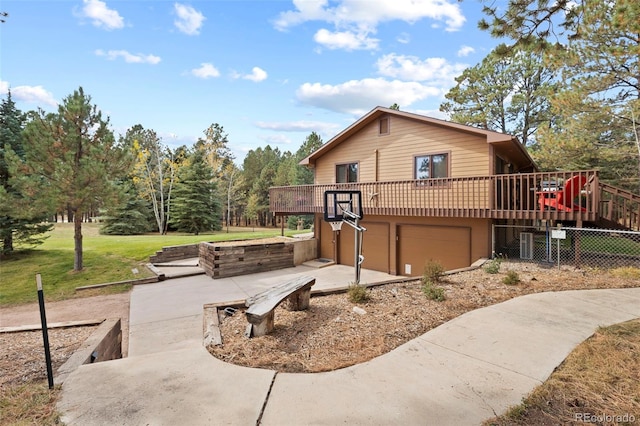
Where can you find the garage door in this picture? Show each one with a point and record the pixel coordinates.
(417, 244)
(375, 246)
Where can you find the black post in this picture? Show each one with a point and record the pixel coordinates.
(45, 332)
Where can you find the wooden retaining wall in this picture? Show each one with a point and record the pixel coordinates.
(171, 253)
(231, 261)
(104, 344)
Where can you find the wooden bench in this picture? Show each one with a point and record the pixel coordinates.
(261, 307)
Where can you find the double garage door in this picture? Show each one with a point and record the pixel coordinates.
(415, 246)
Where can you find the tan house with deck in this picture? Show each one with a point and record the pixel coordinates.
(432, 189)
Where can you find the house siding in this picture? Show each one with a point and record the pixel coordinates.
(390, 157)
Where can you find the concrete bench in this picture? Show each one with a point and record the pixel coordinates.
(261, 307)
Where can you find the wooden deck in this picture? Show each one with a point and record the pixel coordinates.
(513, 196)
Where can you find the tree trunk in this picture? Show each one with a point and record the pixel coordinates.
(77, 239)
(7, 244)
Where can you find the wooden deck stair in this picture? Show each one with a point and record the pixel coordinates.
(619, 209)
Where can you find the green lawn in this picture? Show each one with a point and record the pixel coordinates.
(107, 258)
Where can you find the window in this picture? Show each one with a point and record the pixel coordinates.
(431, 166)
(383, 126)
(346, 173)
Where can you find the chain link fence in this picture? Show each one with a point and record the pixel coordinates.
(578, 247)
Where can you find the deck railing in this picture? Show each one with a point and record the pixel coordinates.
(620, 207)
(514, 196)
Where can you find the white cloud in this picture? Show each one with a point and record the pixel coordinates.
(30, 94)
(359, 96)
(435, 70)
(275, 139)
(257, 75)
(129, 57)
(299, 126)
(189, 20)
(361, 14)
(465, 51)
(205, 71)
(101, 15)
(346, 40)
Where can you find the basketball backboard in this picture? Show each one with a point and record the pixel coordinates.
(341, 204)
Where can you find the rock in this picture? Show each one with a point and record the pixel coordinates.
(359, 311)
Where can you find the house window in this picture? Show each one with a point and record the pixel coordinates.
(383, 126)
(346, 173)
(431, 166)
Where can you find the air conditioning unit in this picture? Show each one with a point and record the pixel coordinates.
(526, 245)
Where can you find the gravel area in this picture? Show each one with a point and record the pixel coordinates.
(335, 333)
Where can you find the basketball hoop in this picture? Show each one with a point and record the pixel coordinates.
(336, 226)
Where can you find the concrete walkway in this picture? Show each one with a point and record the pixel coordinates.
(460, 373)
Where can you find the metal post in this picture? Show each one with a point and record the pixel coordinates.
(548, 241)
(356, 246)
(559, 227)
(45, 332)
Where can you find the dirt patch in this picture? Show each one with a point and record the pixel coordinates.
(22, 358)
(22, 354)
(331, 334)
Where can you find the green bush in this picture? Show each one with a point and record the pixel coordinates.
(493, 266)
(433, 272)
(357, 293)
(512, 278)
(433, 292)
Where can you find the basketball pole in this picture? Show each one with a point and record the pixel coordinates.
(358, 230)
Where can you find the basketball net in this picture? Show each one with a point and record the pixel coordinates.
(336, 226)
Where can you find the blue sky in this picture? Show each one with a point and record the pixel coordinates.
(269, 72)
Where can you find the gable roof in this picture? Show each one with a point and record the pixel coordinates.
(506, 143)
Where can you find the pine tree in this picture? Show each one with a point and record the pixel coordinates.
(72, 159)
(507, 92)
(196, 206)
(20, 221)
(133, 216)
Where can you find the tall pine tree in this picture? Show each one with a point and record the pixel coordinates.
(196, 204)
(20, 221)
(72, 159)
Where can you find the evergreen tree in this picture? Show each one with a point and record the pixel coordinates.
(259, 171)
(196, 205)
(72, 159)
(132, 216)
(506, 92)
(20, 221)
(304, 175)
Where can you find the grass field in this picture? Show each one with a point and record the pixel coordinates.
(107, 258)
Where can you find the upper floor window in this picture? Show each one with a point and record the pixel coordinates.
(383, 124)
(346, 173)
(431, 166)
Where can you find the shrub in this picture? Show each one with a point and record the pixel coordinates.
(626, 272)
(357, 293)
(433, 292)
(512, 278)
(433, 272)
(493, 266)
